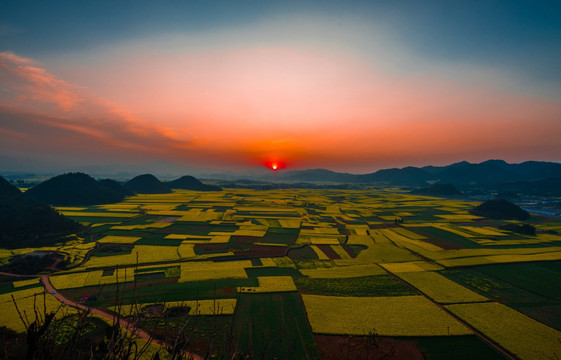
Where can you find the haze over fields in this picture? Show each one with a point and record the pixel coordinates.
(348, 86)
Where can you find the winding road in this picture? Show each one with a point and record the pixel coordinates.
(122, 322)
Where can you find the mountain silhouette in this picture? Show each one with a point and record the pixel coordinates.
(500, 209)
(147, 184)
(26, 222)
(75, 189)
(188, 182)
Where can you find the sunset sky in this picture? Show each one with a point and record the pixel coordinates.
(349, 86)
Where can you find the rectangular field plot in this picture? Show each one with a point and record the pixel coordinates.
(524, 337)
(91, 278)
(350, 271)
(273, 325)
(208, 270)
(411, 266)
(196, 307)
(388, 316)
(140, 253)
(377, 285)
(268, 284)
(119, 239)
(542, 278)
(439, 288)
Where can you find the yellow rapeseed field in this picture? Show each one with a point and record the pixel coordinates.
(351, 271)
(324, 241)
(156, 225)
(485, 231)
(338, 249)
(208, 270)
(186, 250)
(439, 288)
(388, 316)
(144, 253)
(22, 283)
(519, 334)
(269, 284)
(321, 255)
(119, 239)
(98, 214)
(408, 233)
(410, 266)
(27, 301)
(407, 242)
(197, 307)
(91, 278)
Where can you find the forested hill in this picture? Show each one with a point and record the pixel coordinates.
(191, 183)
(26, 222)
(75, 189)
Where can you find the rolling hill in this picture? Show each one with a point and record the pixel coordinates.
(75, 189)
(26, 222)
(191, 183)
(147, 184)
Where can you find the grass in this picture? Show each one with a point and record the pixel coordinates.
(378, 285)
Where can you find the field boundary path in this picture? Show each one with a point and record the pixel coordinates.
(122, 322)
(480, 335)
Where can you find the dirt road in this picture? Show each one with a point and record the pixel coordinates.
(122, 322)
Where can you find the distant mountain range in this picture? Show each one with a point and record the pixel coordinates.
(462, 173)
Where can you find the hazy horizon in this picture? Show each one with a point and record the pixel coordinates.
(350, 87)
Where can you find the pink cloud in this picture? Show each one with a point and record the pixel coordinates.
(32, 83)
(50, 113)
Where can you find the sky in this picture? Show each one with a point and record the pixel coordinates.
(351, 86)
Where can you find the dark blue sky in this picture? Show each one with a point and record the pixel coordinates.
(523, 35)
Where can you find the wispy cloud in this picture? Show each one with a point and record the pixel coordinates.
(54, 115)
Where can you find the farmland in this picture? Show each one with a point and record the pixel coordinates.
(298, 265)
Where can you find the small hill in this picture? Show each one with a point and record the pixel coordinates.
(147, 184)
(26, 222)
(190, 183)
(74, 189)
(438, 190)
(500, 209)
(116, 187)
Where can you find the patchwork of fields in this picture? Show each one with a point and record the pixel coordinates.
(284, 266)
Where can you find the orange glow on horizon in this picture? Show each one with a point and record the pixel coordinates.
(274, 165)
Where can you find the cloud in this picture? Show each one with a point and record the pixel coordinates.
(56, 116)
(29, 83)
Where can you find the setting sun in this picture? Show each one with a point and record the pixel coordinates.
(274, 166)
